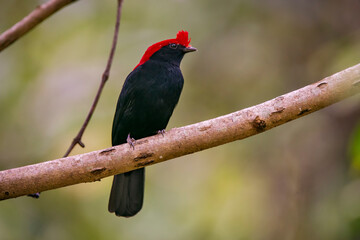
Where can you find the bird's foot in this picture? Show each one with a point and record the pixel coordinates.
(131, 141)
(34, 195)
(162, 132)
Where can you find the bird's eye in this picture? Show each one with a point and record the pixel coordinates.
(173, 45)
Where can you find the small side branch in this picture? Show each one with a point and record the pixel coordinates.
(177, 142)
(42, 12)
(104, 78)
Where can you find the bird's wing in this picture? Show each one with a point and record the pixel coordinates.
(125, 103)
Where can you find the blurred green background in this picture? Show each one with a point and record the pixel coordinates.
(298, 181)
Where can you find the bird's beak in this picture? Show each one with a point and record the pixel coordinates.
(189, 49)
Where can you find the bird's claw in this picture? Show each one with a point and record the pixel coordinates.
(162, 132)
(131, 141)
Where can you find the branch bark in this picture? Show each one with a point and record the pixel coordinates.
(39, 14)
(177, 142)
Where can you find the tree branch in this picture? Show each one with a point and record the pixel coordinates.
(40, 13)
(104, 78)
(177, 142)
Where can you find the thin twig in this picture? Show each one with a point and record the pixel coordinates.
(177, 142)
(39, 14)
(105, 76)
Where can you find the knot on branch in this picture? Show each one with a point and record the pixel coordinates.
(259, 124)
(142, 156)
(97, 171)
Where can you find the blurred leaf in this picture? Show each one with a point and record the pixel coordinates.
(355, 150)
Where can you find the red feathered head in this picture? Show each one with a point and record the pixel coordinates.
(182, 38)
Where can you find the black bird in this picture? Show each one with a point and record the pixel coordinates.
(145, 105)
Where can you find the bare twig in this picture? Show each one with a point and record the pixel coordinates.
(40, 13)
(177, 142)
(105, 76)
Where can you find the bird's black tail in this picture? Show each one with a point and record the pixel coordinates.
(127, 193)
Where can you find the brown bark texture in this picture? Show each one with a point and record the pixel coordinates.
(93, 166)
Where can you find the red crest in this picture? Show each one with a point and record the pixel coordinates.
(182, 38)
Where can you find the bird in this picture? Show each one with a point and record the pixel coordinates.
(146, 102)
